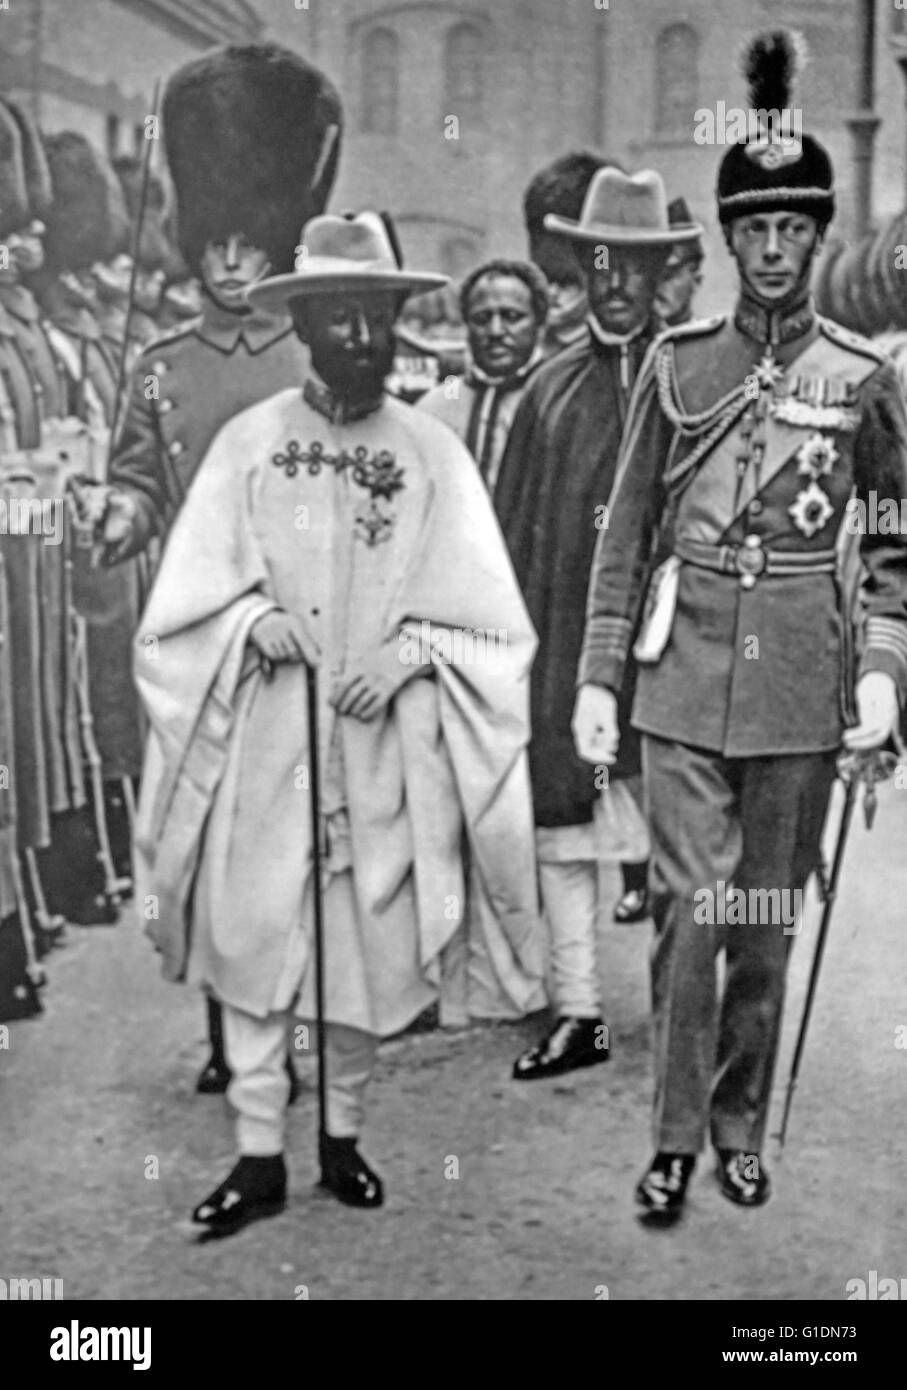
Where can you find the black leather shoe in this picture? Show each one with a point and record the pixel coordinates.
(214, 1077)
(742, 1178)
(345, 1173)
(663, 1189)
(632, 907)
(256, 1188)
(572, 1043)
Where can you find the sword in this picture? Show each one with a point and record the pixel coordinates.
(315, 803)
(853, 768)
(133, 276)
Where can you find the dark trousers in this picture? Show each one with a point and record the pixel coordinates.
(754, 823)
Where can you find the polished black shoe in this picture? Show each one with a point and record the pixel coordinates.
(572, 1043)
(632, 907)
(742, 1178)
(214, 1077)
(256, 1188)
(345, 1173)
(662, 1189)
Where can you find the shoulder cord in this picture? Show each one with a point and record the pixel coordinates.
(709, 425)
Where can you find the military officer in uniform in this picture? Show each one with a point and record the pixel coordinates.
(748, 435)
(252, 139)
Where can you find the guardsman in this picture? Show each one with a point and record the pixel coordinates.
(552, 492)
(252, 137)
(752, 441)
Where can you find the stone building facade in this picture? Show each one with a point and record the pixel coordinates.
(453, 104)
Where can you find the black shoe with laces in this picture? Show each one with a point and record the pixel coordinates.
(662, 1189)
(742, 1178)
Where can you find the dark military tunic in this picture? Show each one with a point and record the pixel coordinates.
(749, 442)
(184, 388)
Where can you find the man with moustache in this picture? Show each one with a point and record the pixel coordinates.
(252, 138)
(353, 534)
(552, 496)
(504, 305)
(749, 434)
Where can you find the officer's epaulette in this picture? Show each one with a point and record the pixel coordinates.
(172, 335)
(695, 328)
(854, 341)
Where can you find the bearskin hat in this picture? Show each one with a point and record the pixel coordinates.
(87, 221)
(13, 193)
(770, 174)
(252, 135)
(155, 251)
(37, 174)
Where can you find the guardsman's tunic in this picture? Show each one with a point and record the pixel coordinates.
(747, 438)
(184, 388)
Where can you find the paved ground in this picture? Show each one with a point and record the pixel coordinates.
(102, 1082)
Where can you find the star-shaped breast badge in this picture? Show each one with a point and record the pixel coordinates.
(816, 456)
(811, 510)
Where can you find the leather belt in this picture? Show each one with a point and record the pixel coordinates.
(751, 560)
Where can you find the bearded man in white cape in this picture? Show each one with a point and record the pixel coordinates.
(334, 526)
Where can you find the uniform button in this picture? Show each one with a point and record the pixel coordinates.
(175, 449)
(159, 368)
(752, 542)
(165, 407)
(747, 581)
(755, 507)
(315, 612)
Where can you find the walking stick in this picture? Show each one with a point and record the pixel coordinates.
(852, 769)
(315, 803)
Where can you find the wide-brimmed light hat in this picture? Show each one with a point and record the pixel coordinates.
(624, 210)
(338, 254)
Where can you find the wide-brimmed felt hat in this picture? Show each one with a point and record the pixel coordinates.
(339, 254)
(624, 210)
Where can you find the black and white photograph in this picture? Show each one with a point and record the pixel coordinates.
(453, 663)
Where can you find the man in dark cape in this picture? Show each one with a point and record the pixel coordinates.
(555, 479)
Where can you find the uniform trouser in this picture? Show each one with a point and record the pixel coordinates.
(754, 823)
(568, 862)
(260, 1086)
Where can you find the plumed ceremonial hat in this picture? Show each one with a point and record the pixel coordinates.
(38, 186)
(87, 220)
(13, 194)
(775, 170)
(252, 135)
(340, 254)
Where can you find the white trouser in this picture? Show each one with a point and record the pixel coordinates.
(568, 859)
(256, 1053)
(570, 899)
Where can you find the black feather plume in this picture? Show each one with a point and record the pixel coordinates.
(770, 63)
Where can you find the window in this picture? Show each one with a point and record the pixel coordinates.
(380, 63)
(676, 80)
(464, 86)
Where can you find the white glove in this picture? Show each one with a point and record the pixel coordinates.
(877, 708)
